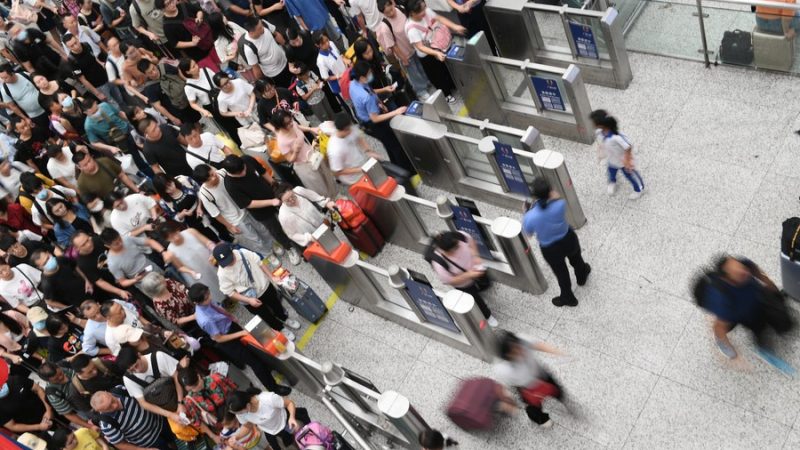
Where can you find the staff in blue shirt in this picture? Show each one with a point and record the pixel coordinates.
(374, 115)
(223, 329)
(547, 220)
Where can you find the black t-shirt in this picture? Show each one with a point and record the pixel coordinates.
(36, 51)
(65, 285)
(176, 32)
(63, 347)
(280, 18)
(84, 63)
(306, 52)
(102, 382)
(95, 264)
(21, 404)
(152, 89)
(168, 153)
(252, 186)
(266, 107)
(30, 246)
(33, 149)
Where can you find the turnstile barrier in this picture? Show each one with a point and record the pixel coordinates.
(401, 296)
(562, 35)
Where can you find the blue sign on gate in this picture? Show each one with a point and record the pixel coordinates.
(549, 94)
(463, 221)
(509, 168)
(429, 304)
(583, 36)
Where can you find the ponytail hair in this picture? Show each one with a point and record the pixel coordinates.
(541, 191)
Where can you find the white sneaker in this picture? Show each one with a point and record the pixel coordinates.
(548, 424)
(294, 256)
(492, 322)
(291, 323)
(612, 188)
(277, 249)
(450, 99)
(288, 333)
(634, 195)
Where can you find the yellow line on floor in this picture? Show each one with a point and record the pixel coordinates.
(463, 112)
(334, 297)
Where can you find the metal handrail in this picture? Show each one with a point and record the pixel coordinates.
(779, 5)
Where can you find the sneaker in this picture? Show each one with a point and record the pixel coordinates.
(492, 322)
(281, 390)
(277, 249)
(548, 424)
(776, 362)
(558, 302)
(635, 195)
(450, 99)
(294, 257)
(582, 280)
(291, 323)
(612, 188)
(288, 333)
(424, 96)
(726, 349)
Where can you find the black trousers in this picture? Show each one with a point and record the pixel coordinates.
(382, 131)
(570, 249)
(275, 229)
(244, 355)
(535, 413)
(271, 310)
(301, 414)
(438, 74)
(283, 79)
(475, 21)
(476, 294)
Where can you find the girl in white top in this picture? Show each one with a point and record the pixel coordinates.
(226, 37)
(274, 415)
(61, 167)
(18, 285)
(618, 151)
(236, 98)
(301, 212)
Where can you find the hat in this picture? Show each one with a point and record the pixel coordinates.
(127, 334)
(32, 441)
(223, 253)
(36, 314)
(3, 372)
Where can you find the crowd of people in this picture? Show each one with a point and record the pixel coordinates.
(158, 158)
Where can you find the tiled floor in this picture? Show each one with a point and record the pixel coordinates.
(719, 158)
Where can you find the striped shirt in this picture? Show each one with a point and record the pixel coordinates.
(59, 395)
(136, 425)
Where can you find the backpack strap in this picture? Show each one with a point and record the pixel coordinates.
(139, 12)
(247, 268)
(154, 364)
(35, 287)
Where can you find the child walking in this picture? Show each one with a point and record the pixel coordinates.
(618, 151)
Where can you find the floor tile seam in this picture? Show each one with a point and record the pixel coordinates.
(749, 206)
(725, 401)
(639, 414)
(736, 164)
(650, 286)
(681, 222)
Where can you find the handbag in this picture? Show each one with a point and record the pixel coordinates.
(535, 394)
(251, 136)
(115, 134)
(315, 159)
(160, 392)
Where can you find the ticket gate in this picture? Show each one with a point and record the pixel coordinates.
(399, 216)
(483, 168)
(401, 296)
(521, 93)
(561, 36)
(354, 400)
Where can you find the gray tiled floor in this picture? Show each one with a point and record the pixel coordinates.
(641, 362)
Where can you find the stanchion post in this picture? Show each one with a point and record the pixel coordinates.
(470, 321)
(519, 253)
(398, 410)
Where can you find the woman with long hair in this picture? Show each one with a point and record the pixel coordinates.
(276, 416)
(179, 200)
(201, 91)
(226, 35)
(68, 218)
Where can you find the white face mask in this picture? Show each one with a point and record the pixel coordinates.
(97, 207)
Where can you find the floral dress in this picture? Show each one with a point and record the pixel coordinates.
(175, 306)
(209, 402)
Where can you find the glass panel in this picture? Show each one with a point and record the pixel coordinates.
(508, 139)
(463, 129)
(473, 161)
(552, 31)
(512, 82)
(560, 84)
(429, 217)
(597, 33)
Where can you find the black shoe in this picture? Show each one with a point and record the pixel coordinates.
(582, 279)
(558, 302)
(283, 391)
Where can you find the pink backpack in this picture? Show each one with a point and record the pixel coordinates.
(315, 436)
(437, 35)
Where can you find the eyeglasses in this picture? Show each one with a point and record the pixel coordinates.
(223, 83)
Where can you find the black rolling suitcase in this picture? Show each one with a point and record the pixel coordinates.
(736, 48)
(306, 302)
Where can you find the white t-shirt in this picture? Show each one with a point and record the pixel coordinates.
(19, 288)
(614, 148)
(136, 215)
(10, 182)
(331, 64)
(345, 154)
(415, 34)
(372, 15)
(210, 149)
(166, 367)
(200, 95)
(519, 373)
(270, 417)
(115, 335)
(114, 67)
(270, 57)
(217, 201)
(64, 169)
(236, 101)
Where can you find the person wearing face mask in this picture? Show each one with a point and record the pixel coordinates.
(62, 280)
(374, 115)
(19, 252)
(37, 52)
(23, 406)
(18, 285)
(36, 191)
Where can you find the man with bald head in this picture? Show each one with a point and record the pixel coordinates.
(127, 426)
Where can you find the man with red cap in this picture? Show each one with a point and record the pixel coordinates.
(22, 403)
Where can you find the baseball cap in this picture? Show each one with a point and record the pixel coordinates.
(36, 314)
(3, 372)
(127, 334)
(223, 253)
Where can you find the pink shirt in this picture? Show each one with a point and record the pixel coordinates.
(461, 256)
(291, 138)
(394, 42)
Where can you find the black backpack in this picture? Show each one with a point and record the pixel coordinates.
(736, 48)
(790, 238)
(700, 286)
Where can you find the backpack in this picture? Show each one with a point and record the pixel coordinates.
(790, 238)
(212, 91)
(161, 392)
(202, 30)
(173, 87)
(315, 436)
(437, 35)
